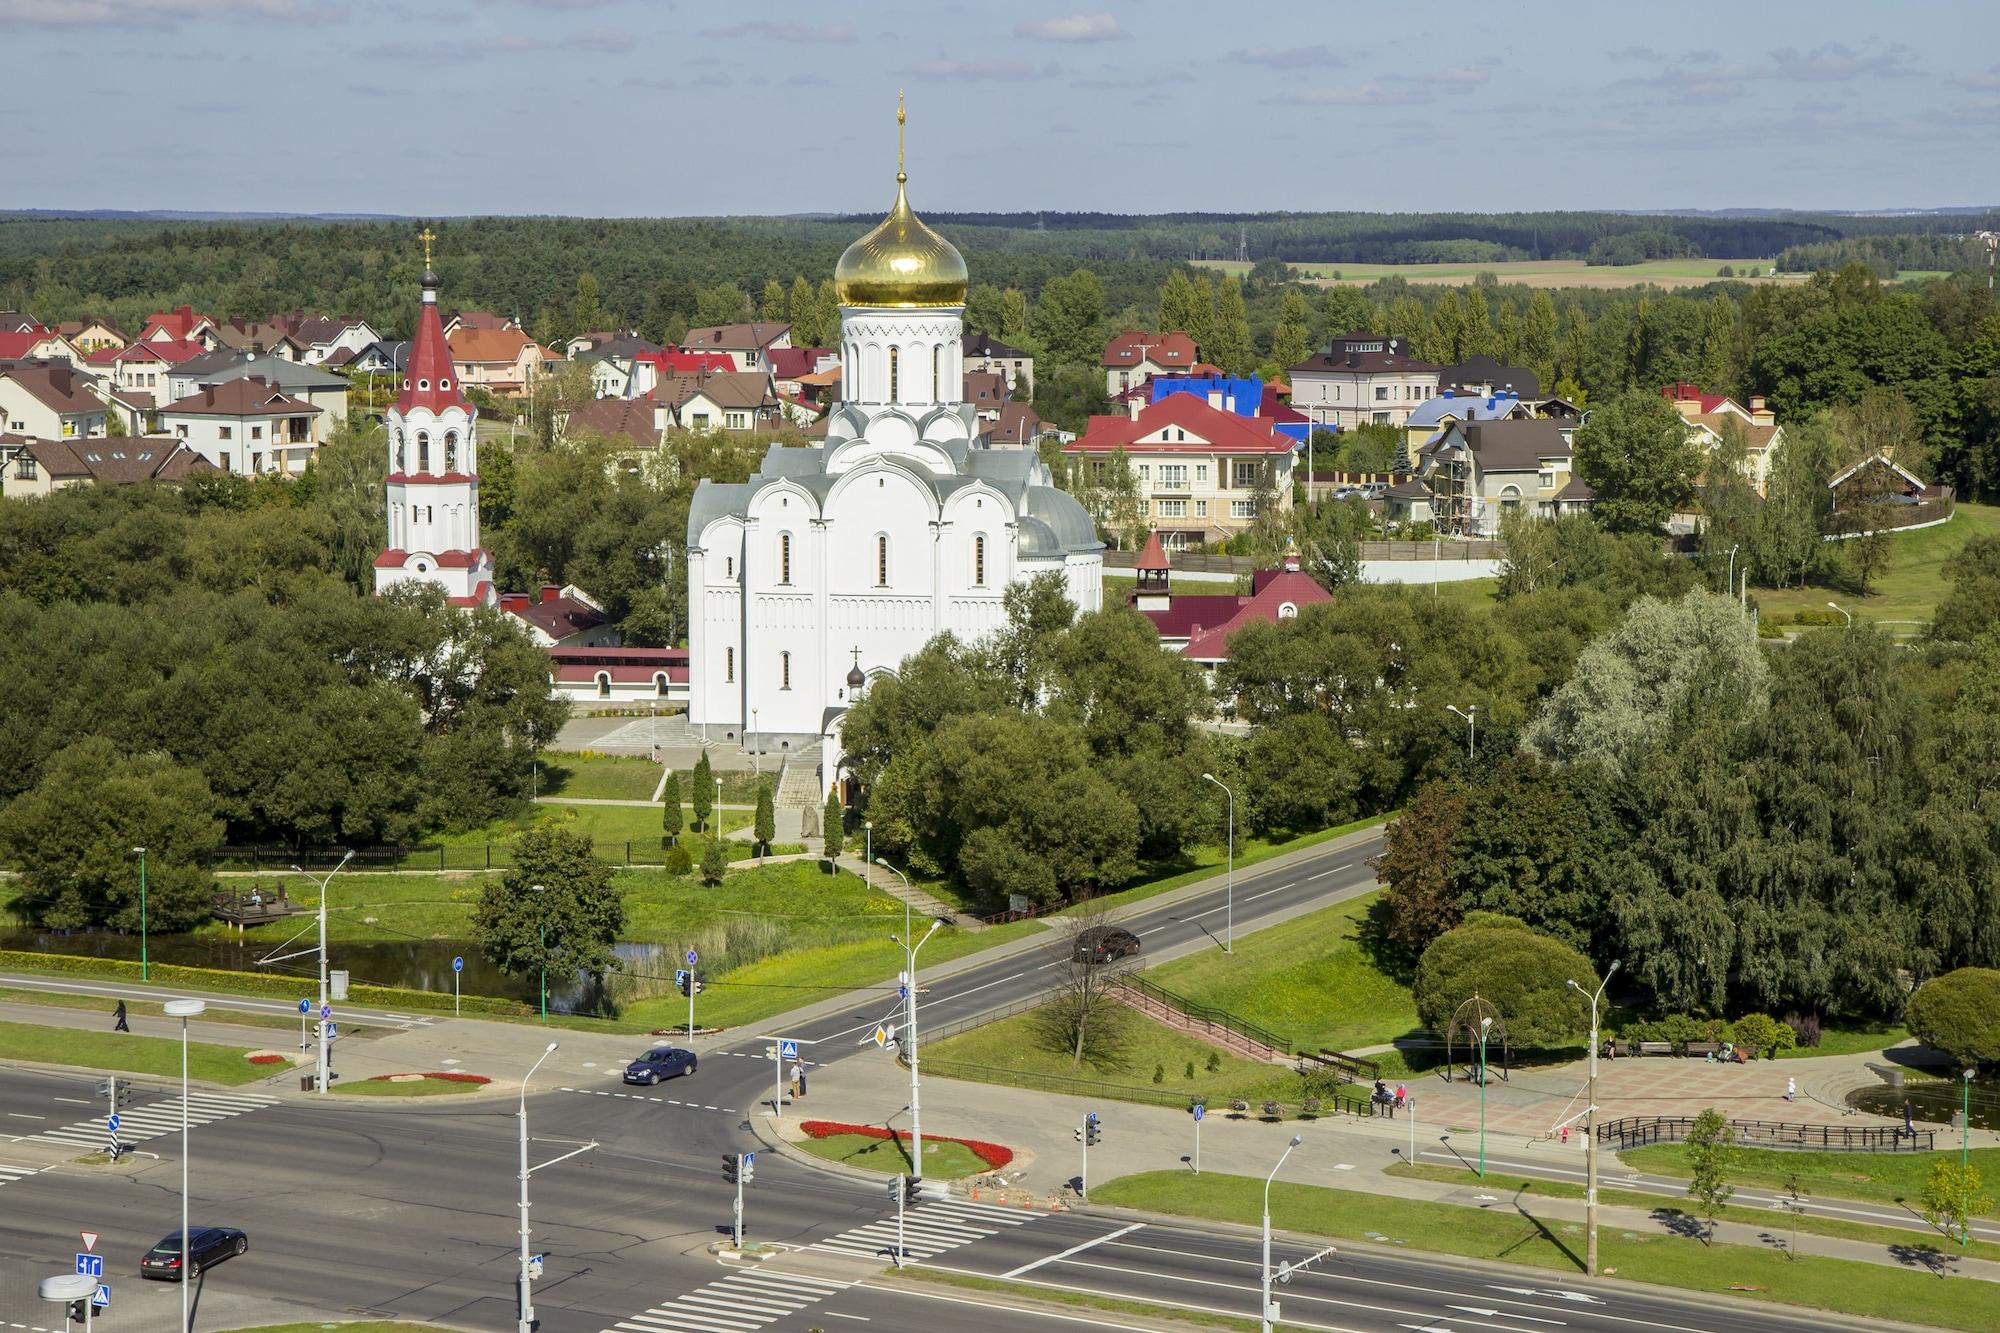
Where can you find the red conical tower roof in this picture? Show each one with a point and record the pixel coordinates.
(1154, 557)
(430, 380)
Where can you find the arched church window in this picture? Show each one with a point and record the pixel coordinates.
(399, 451)
(784, 557)
(881, 560)
(603, 685)
(423, 451)
(660, 684)
(937, 373)
(451, 451)
(895, 387)
(979, 560)
(784, 671)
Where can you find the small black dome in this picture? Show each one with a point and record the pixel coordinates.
(855, 680)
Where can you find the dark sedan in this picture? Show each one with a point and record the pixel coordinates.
(658, 1063)
(1101, 944)
(211, 1246)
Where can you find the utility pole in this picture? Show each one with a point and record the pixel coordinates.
(526, 1306)
(325, 885)
(1267, 1317)
(1471, 725)
(1590, 1123)
(144, 971)
(1229, 883)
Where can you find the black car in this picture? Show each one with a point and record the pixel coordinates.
(211, 1246)
(1101, 944)
(658, 1063)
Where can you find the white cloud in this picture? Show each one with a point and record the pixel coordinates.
(774, 30)
(1074, 28)
(1359, 94)
(976, 71)
(152, 13)
(1834, 63)
(1288, 57)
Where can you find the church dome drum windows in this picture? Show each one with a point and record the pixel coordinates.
(451, 451)
(401, 457)
(979, 560)
(784, 557)
(881, 559)
(423, 451)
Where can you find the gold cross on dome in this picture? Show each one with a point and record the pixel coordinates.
(427, 237)
(900, 118)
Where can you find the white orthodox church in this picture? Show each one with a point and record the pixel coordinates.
(833, 564)
(433, 482)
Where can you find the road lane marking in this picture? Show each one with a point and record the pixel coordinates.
(22, 1115)
(1074, 1249)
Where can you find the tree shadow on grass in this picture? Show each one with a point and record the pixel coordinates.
(1927, 1257)
(1679, 1222)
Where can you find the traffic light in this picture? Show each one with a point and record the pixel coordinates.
(1090, 1130)
(731, 1167)
(1077, 1133)
(695, 977)
(913, 1187)
(684, 979)
(75, 1312)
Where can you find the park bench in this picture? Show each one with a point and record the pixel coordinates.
(1655, 1048)
(1703, 1048)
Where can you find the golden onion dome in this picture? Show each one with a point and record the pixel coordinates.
(902, 263)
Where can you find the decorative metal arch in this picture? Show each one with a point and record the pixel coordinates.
(1465, 1021)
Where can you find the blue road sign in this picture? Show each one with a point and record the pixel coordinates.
(111, 1122)
(693, 958)
(332, 1031)
(680, 976)
(458, 964)
(91, 1264)
(788, 1050)
(101, 1299)
(1199, 1110)
(325, 1012)
(749, 1159)
(902, 992)
(305, 1006)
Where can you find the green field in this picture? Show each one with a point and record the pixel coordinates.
(424, 1087)
(1308, 979)
(587, 775)
(1874, 1177)
(124, 1053)
(943, 1159)
(1913, 584)
(1513, 1234)
(1014, 1053)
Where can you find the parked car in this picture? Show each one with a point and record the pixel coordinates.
(211, 1245)
(658, 1063)
(1101, 944)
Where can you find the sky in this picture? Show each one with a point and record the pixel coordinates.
(690, 107)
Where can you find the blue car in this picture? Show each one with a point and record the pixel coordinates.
(658, 1063)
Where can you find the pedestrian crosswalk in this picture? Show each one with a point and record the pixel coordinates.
(744, 1301)
(9, 1173)
(929, 1228)
(155, 1119)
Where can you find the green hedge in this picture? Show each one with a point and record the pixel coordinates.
(249, 983)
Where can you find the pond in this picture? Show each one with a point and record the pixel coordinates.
(423, 965)
(1932, 1103)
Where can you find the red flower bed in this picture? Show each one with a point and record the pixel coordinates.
(993, 1154)
(267, 1059)
(445, 1078)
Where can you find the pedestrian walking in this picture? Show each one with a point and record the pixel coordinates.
(118, 1023)
(1791, 1089)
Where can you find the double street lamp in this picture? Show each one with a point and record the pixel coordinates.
(184, 1010)
(1229, 887)
(910, 1018)
(1471, 724)
(1590, 1121)
(527, 1303)
(324, 885)
(1266, 1317)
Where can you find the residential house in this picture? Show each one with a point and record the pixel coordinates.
(1878, 492)
(1432, 415)
(92, 335)
(614, 365)
(731, 400)
(13, 321)
(1246, 396)
(629, 422)
(980, 352)
(748, 345)
(1134, 356)
(1017, 426)
(986, 390)
(321, 337)
(478, 319)
(39, 467)
(1360, 379)
(561, 618)
(791, 366)
(181, 324)
(1200, 469)
(38, 344)
(259, 338)
(245, 425)
(1709, 414)
(50, 400)
(575, 348)
(1475, 472)
(1199, 626)
(505, 361)
(376, 358)
(1483, 376)
(140, 375)
(321, 389)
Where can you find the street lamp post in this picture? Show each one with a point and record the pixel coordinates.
(910, 1029)
(325, 885)
(527, 1303)
(145, 972)
(1965, 1159)
(756, 747)
(1731, 585)
(1469, 713)
(542, 942)
(1229, 885)
(1485, 1026)
(184, 1010)
(1590, 1124)
(1265, 1319)
(1844, 611)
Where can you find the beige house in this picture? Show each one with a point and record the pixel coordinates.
(244, 425)
(182, 324)
(92, 335)
(1361, 379)
(319, 389)
(1707, 414)
(1473, 473)
(748, 345)
(731, 400)
(1199, 468)
(503, 360)
(50, 400)
(41, 467)
(1135, 356)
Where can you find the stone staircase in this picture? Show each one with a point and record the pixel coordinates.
(1213, 1026)
(799, 791)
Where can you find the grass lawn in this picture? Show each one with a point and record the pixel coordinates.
(423, 1087)
(147, 1008)
(1863, 1038)
(1913, 584)
(943, 1160)
(1014, 1047)
(1512, 1234)
(1778, 1222)
(598, 776)
(1474, 593)
(1308, 978)
(125, 1053)
(1876, 1177)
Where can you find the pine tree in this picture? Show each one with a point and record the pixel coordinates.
(703, 795)
(1539, 332)
(1444, 337)
(714, 862)
(1201, 315)
(1476, 336)
(1179, 300)
(1575, 344)
(1229, 344)
(1014, 315)
(586, 312)
(804, 310)
(771, 306)
(766, 826)
(1291, 341)
(833, 828)
(829, 312)
(670, 811)
(1718, 345)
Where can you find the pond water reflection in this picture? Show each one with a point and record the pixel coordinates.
(1931, 1103)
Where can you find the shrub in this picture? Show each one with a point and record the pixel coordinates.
(1959, 1013)
(1214, 1062)
(677, 861)
(1159, 1073)
(1763, 1034)
(1190, 1069)
(714, 861)
(1805, 1028)
(1525, 976)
